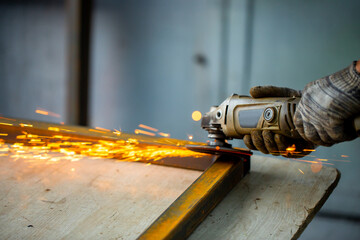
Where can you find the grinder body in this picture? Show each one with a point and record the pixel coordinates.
(239, 115)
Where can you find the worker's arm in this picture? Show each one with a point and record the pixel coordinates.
(324, 109)
(327, 105)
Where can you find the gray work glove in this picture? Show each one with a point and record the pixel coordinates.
(268, 142)
(326, 107)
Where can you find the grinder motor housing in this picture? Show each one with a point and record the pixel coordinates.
(239, 115)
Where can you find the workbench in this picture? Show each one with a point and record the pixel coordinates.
(94, 198)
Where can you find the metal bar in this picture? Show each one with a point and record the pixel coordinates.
(79, 24)
(191, 208)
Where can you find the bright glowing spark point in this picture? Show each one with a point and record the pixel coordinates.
(117, 132)
(164, 134)
(58, 136)
(7, 124)
(291, 148)
(25, 125)
(54, 129)
(3, 134)
(319, 159)
(190, 137)
(301, 171)
(148, 128)
(73, 169)
(138, 131)
(309, 150)
(103, 129)
(41, 112)
(45, 112)
(196, 116)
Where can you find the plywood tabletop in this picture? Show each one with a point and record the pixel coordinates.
(58, 198)
(276, 200)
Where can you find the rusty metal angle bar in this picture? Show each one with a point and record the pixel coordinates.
(191, 208)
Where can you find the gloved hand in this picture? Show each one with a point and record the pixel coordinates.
(327, 104)
(268, 142)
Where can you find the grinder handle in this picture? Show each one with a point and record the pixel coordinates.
(252, 114)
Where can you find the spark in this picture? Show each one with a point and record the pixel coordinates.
(47, 113)
(58, 136)
(291, 148)
(117, 132)
(309, 150)
(7, 124)
(309, 161)
(196, 116)
(3, 134)
(164, 134)
(320, 159)
(41, 112)
(190, 137)
(138, 131)
(73, 169)
(25, 125)
(102, 129)
(148, 128)
(54, 129)
(301, 171)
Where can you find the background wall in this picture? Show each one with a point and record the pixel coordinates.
(155, 62)
(32, 58)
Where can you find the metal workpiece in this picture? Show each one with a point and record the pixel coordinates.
(192, 207)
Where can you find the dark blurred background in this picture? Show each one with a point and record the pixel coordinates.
(118, 64)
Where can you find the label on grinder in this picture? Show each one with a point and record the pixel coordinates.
(249, 118)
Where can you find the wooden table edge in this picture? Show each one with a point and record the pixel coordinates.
(312, 212)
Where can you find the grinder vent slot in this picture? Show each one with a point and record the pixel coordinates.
(226, 110)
